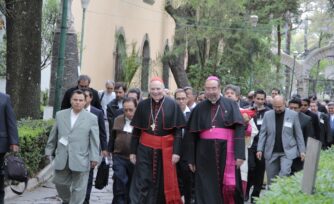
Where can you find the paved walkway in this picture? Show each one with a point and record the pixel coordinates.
(47, 194)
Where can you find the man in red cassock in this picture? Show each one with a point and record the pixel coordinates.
(156, 147)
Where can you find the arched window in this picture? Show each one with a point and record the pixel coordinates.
(120, 55)
(165, 68)
(145, 66)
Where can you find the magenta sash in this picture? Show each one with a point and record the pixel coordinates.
(229, 181)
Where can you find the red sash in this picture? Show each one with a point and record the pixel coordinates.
(165, 143)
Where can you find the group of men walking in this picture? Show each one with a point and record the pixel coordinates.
(167, 147)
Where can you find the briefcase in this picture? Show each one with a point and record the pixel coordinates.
(102, 175)
(15, 170)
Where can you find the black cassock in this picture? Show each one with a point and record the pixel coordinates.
(147, 184)
(209, 155)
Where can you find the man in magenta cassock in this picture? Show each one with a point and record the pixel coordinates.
(216, 147)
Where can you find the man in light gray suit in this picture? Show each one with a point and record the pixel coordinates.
(281, 139)
(74, 141)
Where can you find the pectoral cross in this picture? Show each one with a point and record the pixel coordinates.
(153, 126)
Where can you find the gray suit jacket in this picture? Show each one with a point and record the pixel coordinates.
(83, 141)
(292, 136)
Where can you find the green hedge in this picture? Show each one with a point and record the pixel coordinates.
(288, 189)
(33, 135)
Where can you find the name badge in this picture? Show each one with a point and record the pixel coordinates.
(63, 141)
(288, 124)
(259, 121)
(322, 121)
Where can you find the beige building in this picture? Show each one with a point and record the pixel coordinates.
(113, 27)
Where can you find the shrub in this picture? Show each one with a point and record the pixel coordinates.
(288, 189)
(33, 135)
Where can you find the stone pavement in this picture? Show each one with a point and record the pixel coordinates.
(47, 194)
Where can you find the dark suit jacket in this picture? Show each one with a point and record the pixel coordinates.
(102, 128)
(306, 125)
(66, 103)
(325, 130)
(8, 128)
(315, 123)
(112, 109)
(243, 104)
(322, 108)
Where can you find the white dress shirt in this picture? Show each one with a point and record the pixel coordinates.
(127, 127)
(74, 117)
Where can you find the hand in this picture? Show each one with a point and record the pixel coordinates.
(302, 156)
(93, 164)
(192, 167)
(48, 159)
(175, 158)
(239, 162)
(14, 148)
(105, 153)
(133, 158)
(246, 117)
(259, 155)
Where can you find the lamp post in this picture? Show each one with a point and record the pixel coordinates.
(61, 58)
(84, 5)
(293, 70)
(253, 22)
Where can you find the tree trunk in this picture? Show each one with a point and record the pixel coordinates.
(176, 63)
(24, 19)
(288, 70)
(279, 40)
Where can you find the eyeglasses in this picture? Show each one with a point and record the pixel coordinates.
(128, 110)
(181, 99)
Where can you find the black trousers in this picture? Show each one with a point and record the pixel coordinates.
(2, 178)
(256, 169)
(90, 184)
(186, 180)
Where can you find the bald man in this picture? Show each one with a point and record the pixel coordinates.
(156, 147)
(281, 141)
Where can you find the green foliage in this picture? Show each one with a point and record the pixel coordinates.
(288, 189)
(131, 63)
(278, 10)
(50, 14)
(221, 41)
(44, 97)
(33, 135)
